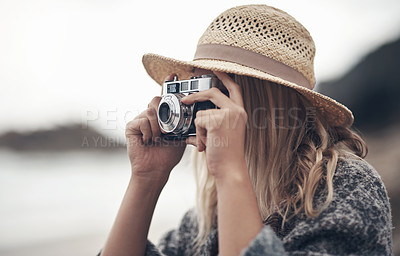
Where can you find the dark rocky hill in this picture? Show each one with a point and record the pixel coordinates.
(69, 137)
(371, 89)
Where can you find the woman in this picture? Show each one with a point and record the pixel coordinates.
(288, 177)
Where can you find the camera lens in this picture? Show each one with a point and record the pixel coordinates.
(164, 112)
(174, 116)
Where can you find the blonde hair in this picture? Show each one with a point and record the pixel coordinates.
(290, 151)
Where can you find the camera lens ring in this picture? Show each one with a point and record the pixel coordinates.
(180, 115)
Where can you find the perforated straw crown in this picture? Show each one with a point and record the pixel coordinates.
(258, 41)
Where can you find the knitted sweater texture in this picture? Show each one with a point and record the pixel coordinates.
(357, 222)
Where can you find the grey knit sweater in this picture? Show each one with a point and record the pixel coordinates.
(357, 222)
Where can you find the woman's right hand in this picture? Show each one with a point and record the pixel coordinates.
(152, 158)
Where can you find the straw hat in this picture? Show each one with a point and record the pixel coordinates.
(258, 41)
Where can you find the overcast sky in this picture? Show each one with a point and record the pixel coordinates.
(80, 60)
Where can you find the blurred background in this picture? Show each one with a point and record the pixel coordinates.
(71, 77)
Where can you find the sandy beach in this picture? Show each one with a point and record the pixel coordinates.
(65, 203)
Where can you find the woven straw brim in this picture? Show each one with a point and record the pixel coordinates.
(159, 67)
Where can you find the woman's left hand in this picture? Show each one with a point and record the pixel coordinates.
(220, 132)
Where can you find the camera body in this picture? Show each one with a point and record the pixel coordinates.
(175, 118)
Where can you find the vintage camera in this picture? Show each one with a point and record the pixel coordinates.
(176, 118)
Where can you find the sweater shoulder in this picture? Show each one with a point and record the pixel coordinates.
(356, 166)
(358, 219)
(355, 176)
(180, 241)
(358, 185)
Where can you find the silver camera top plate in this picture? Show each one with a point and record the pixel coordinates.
(192, 85)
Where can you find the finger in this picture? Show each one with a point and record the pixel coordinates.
(233, 88)
(152, 116)
(214, 95)
(211, 118)
(145, 130)
(141, 115)
(132, 128)
(201, 138)
(170, 77)
(191, 140)
(153, 120)
(139, 127)
(201, 133)
(154, 102)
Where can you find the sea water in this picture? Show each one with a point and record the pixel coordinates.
(65, 203)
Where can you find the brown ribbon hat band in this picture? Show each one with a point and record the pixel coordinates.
(251, 59)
